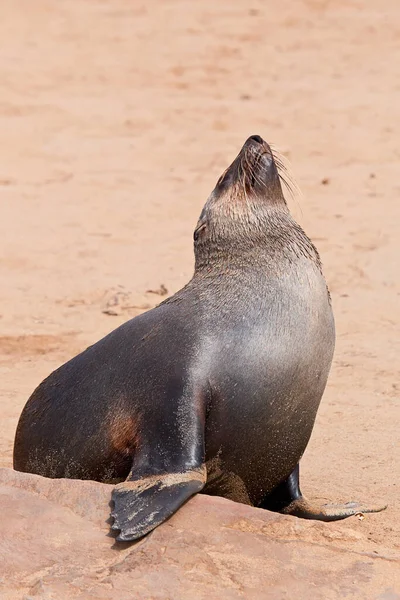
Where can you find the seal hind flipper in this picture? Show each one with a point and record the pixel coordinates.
(287, 498)
(140, 506)
(304, 509)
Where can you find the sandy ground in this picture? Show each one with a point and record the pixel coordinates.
(116, 119)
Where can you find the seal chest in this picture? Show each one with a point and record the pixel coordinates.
(214, 390)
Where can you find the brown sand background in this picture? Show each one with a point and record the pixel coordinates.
(116, 119)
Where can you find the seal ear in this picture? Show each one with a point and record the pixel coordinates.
(199, 229)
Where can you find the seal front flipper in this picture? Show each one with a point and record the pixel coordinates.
(142, 505)
(287, 498)
(168, 467)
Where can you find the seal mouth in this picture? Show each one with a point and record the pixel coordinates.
(254, 169)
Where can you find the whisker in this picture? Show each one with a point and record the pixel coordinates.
(243, 178)
(284, 172)
(255, 171)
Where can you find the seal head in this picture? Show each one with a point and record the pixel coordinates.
(244, 196)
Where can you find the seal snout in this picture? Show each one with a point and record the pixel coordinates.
(256, 138)
(257, 169)
(253, 173)
(256, 145)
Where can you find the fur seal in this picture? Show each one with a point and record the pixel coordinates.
(214, 390)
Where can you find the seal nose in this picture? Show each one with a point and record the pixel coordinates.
(256, 138)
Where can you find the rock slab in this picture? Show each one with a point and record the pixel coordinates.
(55, 544)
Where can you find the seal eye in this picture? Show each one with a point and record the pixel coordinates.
(198, 231)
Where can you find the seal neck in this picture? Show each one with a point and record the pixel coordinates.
(270, 236)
